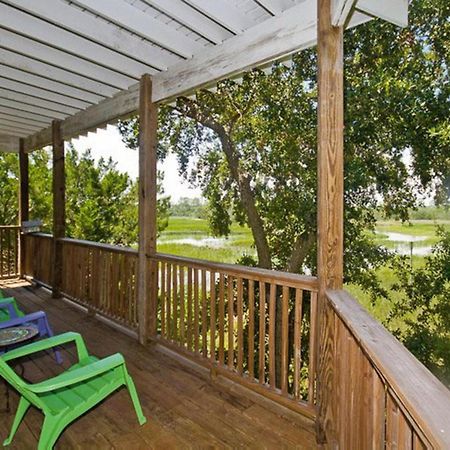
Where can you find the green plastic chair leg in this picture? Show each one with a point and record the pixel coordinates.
(22, 408)
(51, 429)
(135, 399)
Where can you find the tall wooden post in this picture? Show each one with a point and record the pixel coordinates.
(23, 201)
(59, 206)
(330, 199)
(147, 281)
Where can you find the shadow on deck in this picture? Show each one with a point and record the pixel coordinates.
(184, 407)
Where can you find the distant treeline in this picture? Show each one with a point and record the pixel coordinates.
(189, 207)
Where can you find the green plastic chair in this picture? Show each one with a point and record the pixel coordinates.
(67, 396)
(4, 315)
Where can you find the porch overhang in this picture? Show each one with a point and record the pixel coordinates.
(79, 62)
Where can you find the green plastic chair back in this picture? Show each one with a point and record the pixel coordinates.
(4, 313)
(64, 398)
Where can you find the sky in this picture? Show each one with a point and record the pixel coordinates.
(107, 143)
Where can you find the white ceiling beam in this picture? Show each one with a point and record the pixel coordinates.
(281, 35)
(46, 71)
(59, 58)
(23, 121)
(8, 143)
(13, 112)
(37, 82)
(91, 27)
(130, 17)
(13, 131)
(21, 126)
(276, 7)
(30, 100)
(66, 41)
(192, 19)
(106, 112)
(224, 13)
(14, 85)
(395, 11)
(31, 108)
(340, 11)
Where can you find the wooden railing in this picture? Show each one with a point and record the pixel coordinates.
(9, 251)
(377, 394)
(252, 325)
(258, 328)
(100, 277)
(39, 257)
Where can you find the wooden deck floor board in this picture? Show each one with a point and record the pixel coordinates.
(184, 407)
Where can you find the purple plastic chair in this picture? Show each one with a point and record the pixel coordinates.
(17, 318)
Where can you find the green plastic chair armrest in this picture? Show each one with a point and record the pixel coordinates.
(7, 300)
(80, 374)
(45, 344)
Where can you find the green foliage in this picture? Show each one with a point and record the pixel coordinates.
(424, 307)
(9, 167)
(101, 201)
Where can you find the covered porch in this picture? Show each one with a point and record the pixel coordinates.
(186, 408)
(222, 355)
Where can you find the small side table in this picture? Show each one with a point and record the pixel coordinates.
(10, 337)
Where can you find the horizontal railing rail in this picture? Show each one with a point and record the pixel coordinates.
(253, 325)
(9, 251)
(375, 384)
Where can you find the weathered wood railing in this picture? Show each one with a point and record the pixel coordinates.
(38, 257)
(377, 394)
(373, 392)
(9, 251)
(248, 324)
(100, 277)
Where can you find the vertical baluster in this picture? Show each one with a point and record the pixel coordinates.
(162, 297)
(196, 312)
(297, 341)
(312, 348)
(272, 323)
(8, 247)
(240, 328)
(182, 308)
(175, 302)
(221, 319)
(251, 328)
(169, 302)
(204, 316)
(189, 308)
(212, 322)
(230, 322)
(284, 339)
(262, 332)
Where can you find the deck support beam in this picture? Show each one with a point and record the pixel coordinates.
(147, 272)
(23, 200)
(59, 206)
(330, 198)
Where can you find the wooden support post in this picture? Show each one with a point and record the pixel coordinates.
(23, 201)
(330, 200)
(59, 207)
(147, 274)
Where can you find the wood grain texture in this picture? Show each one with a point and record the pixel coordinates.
(147, 278)
(59, 205)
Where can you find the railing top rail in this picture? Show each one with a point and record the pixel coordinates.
(16, 227)
(256, 273)
(100, 246)
(426, 399)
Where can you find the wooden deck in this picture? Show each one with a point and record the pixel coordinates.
(184, 407)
